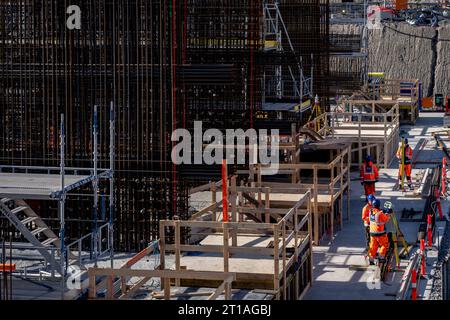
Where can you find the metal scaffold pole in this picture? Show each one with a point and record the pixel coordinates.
(111, 182)
(95, 186)
(61, 208)
(163, 71)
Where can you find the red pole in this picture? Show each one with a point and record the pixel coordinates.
(430, 231)
(439, 206)
(422, 248)
(444, 176)
(414, 285)
(225, 190)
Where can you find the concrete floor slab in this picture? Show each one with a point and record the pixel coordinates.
(332, 278)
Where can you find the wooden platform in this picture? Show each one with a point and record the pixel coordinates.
(261, 244)
(327, 179)
(404, 92)
(240, 263)
(369, 132)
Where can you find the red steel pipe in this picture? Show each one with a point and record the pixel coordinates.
(444, 176)
(423, 266)
(430, 231)
(414, 285)
(439, 205)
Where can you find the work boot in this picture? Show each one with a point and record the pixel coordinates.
(411, 186)
(371, 262)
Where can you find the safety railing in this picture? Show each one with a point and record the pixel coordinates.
(76, 250)
(227, 279)
(295, 227)
(34, 270)
(50, 170)
(414, 272)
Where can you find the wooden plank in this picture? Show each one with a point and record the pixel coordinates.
(219, 249)
(183, 294)
(274, 211)
(276, 260)
(166, 282)
(219, 225)
(205, 187)
(250, 199)
(134, 288)
(267, 206)
(92, 293)
(283, 252)
(170, 274)
(226, 252)
(220, 289)
(315, 209)
(214, 201)
(210, 208)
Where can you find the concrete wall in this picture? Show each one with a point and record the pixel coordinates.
(442, 83)
(404, 51)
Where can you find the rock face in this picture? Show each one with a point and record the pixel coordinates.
(404, 51)
(442, 75)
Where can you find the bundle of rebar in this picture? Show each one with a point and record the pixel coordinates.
(163, 64)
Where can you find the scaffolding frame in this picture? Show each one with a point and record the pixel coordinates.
(164, 64)
(60, 195)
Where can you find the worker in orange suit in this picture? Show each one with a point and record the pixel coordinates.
(369, 176)
(366, 218)
(378, 236)
(408, 163)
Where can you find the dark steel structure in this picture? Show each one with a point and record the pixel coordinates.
(163, 64)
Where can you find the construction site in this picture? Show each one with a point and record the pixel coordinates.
(224, 150)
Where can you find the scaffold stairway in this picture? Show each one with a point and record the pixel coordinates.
(274, 31)
(13, 209)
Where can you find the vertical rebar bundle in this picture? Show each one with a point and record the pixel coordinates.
(163, 64)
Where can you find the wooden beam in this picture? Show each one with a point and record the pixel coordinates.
(134, 288)
(220, 289)
(226, 252)
(170, 274)
(209, 208)
(219, 249)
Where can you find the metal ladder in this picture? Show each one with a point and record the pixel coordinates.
(12, 209)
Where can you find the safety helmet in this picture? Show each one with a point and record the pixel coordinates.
(368, 158)
(371, 198)
(406, 140)
(376, 203)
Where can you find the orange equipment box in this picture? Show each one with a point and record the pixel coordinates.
(427, 102)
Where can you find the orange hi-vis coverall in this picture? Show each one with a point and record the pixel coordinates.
(366, 219)
(408, 163)
(369, 175)
(378, 236)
